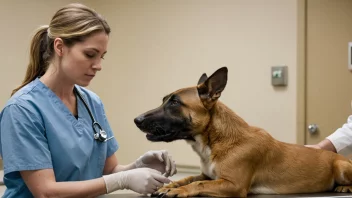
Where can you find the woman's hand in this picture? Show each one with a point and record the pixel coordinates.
(140, 180)
(158, 160)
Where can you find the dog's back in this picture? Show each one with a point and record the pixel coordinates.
(277, 167)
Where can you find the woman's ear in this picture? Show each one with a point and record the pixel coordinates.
(58, 46)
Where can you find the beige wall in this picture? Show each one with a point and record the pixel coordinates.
(159, 46)
(18, 20)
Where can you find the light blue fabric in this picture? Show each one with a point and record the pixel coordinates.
(39, 132)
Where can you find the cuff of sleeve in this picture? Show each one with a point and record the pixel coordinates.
(112, 149)
(339, 140)
(27, 167)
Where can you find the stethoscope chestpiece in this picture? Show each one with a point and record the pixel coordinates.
(101, 135)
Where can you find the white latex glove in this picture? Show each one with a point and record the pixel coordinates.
(158, 160)
(140, 180)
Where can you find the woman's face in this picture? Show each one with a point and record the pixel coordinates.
(80, 62)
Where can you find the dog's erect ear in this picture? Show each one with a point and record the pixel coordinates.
(202, 79)
(210, 90)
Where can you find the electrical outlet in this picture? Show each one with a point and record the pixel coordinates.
(279, 75)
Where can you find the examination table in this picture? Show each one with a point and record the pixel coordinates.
(250, 196)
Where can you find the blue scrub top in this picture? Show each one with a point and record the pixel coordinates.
(37, 131)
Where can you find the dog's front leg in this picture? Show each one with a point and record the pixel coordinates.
(187, 180)
(182, 182)
(212, 188)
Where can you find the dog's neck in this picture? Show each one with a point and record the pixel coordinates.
(225, 124)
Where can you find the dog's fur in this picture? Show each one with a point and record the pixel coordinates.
(237, 159)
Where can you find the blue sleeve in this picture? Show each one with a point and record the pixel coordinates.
(23, 142)
(112, 143)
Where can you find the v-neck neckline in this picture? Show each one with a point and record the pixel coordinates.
(61, 105)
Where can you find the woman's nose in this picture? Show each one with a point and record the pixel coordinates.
(97, 66)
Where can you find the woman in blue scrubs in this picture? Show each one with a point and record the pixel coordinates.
(47, 140)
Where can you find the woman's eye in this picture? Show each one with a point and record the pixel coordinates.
(90, 55)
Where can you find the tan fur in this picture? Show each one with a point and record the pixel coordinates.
(238, 159)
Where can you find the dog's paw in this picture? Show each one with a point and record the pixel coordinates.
(171, 192)
(161, 192)
(343, 189)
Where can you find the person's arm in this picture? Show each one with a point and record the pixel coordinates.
(42, 184)
(340, 141)
(324, 144)
(112, 166)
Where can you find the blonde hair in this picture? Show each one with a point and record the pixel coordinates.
(72, 23)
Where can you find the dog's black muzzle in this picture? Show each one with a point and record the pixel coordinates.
(161, 128)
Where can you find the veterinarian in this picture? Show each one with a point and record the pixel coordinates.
(340, 141)
(55, 138)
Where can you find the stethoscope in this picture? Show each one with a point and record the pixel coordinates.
(100, 136)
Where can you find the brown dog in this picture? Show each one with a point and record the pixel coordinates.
(237, 159)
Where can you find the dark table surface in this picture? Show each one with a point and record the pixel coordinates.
(251, 196)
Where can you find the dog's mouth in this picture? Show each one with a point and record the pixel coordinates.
(158, 134)
(165, 137)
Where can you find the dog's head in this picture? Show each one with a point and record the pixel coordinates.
(185, 112)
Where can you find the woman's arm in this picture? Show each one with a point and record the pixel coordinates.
(42, 184)
(112, 166)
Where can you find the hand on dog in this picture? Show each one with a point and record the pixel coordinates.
(313, 146)
(158, 160)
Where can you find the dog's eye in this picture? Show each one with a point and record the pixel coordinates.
(174, 102)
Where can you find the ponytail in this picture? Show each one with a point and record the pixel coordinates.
(38, 57)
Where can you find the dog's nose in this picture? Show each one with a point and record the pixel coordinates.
(139, 120)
